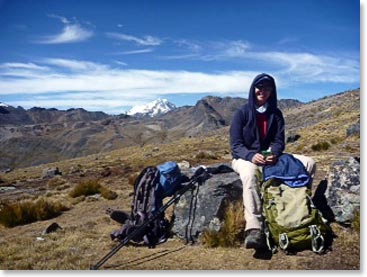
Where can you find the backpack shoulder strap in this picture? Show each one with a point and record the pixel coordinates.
(144, 187)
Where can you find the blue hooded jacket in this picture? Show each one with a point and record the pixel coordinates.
(244, 134)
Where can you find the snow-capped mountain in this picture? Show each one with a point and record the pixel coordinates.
(157, 107)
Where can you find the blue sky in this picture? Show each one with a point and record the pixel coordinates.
(111, 55)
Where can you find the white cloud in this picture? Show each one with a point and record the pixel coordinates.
(71, 32)
(76, 65)
(292, 67)
(134, 52)
(145, 40)
(121, 63)
(30, 66)
(93, 77)
(311, 68)
(190, 45)
(236, 49)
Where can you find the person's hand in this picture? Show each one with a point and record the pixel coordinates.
(258, 159)
(271, 160)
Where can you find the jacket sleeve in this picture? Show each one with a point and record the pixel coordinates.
(238, 147)
(278, 144)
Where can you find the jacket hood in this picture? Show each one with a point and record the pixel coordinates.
(272, 101)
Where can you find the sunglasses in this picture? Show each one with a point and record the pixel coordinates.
(264, 88)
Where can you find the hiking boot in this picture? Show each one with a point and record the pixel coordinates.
(255, 239)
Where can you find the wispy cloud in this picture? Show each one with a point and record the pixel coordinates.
(235, 49)
(145, 40)
(31, 66)
(72, 32)
(287, 40)
(121, 63)
(294, 67)
(134, 52)
(190, 45)
(311, 68)
(75, 65)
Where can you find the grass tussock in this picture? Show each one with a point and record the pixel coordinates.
(321, 146)
(231, 232)
(25, 212)
(91, 187)
(206, 155)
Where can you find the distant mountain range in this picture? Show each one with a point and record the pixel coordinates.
(152, 109)
(18, 116)
(38, 135)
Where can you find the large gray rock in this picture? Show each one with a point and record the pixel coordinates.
(205, 206)
(51, 172)
(343, 191)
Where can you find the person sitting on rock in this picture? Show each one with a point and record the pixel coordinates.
(256, 127)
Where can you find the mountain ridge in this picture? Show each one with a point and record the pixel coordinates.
(59, 135)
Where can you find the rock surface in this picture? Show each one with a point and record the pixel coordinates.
(343, 191)
(204, 207)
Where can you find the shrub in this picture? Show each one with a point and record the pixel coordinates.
(91, 187)
(320, 146)
(333, 141)
(24, 212)
(231, 232)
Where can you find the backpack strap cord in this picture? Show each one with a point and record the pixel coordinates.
(317, 239)
(312, 205)
(271, 246)
(283, 241)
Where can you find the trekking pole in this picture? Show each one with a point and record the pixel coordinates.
(198, 177)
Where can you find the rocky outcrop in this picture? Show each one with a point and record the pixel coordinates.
(354, 130)
(204, 207)
(50, 172)
(343, 190)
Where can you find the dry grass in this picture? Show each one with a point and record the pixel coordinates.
(231, 232)
(25, 212)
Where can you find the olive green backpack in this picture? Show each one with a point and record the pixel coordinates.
(291, 220)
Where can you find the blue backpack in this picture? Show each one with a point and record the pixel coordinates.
(170, 177)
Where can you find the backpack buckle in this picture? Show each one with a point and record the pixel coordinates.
(283, 241)
(317, 239)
